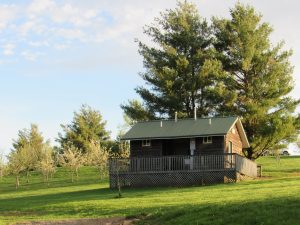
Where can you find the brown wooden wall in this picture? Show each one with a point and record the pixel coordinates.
(177, 147)
(136, 148)
(235, 138)
(216, 147)
(180, 146)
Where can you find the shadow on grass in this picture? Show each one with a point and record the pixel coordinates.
(38, 184)
(101, 202)
(97, 194)
(38, 201)
(62, 178)
(278, 211)
(30, 202)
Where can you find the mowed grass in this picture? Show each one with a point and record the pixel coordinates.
(274, 199)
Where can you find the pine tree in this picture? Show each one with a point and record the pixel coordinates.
(31, 137)
(181, 70)
(259, 75)
(87, 126)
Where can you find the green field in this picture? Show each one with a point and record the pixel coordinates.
(274, 199)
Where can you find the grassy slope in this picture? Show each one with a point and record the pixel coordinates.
(275, 200)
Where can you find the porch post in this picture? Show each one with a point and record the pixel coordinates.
(192, 151)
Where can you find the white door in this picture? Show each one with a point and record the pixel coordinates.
(192, 146)
(192, 151)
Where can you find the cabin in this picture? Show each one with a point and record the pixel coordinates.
(183, 152)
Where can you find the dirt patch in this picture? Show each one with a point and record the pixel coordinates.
(20, 213)
(296, 174)
(264, 178)
(100, 221)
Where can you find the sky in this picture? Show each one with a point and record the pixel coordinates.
(56, 55)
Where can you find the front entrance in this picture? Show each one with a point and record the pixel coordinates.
(176, 147)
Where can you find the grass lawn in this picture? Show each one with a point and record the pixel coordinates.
(274, 199)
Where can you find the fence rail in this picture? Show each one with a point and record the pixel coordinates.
(172, 163)
(178, 170)
(245, 166)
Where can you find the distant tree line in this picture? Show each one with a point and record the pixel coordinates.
(85, 141)
(226, 67)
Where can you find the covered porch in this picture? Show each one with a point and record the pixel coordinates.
(177, 146)
(179, 170)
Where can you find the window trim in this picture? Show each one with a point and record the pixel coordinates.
(146, 143)
(207, 140)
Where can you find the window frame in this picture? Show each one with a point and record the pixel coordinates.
(146, 143)
(207, 140)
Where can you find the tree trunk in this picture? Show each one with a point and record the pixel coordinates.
(27, 176)
(47, 179)
(100, 173)
(72, 177)
(119, 185)
(249, 153)
(17, 182)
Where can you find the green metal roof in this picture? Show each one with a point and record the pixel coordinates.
(182, 128)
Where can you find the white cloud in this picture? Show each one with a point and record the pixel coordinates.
(95, 21)
(71, 33)
(38, 44)
(39, 7)
(26, 27)
(61, 46)
(30, 55)
(8, 49)
(58, 21)
(71, 14)
(7, 14)
(33, 26)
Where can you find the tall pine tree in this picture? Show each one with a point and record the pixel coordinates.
(87, 126)
(259, 77)
(180, 69)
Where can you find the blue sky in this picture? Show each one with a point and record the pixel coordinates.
(57, 55)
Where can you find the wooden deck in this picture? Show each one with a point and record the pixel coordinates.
(179, 170)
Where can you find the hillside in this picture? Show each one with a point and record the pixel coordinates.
(274, 199)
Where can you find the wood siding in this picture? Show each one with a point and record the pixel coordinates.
(176, 147)
(137, 150)
(235, 138)
(181, 146)
(216, 147)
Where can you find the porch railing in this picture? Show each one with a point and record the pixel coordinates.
(173, 163)
(246, 166)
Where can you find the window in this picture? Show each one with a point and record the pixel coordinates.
(146, 143)
(207, 140)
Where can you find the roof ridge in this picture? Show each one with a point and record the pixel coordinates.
(182, 119)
